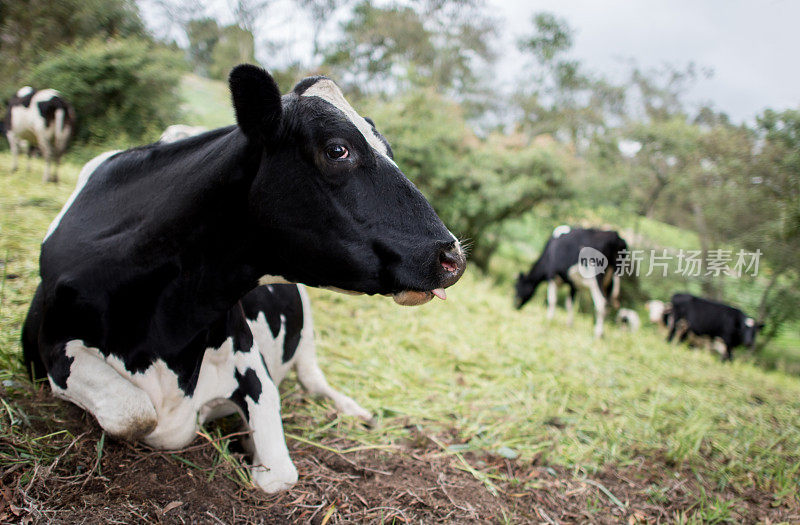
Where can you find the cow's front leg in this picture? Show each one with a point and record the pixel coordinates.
(599, 307)
(570, 305)
(47, 153)
(122, 409)
(13, 143)
(260, 401)
(552, 298)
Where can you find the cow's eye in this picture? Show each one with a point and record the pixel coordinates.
(336, 152)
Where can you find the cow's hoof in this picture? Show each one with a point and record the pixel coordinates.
(274, 480)
(348, 407)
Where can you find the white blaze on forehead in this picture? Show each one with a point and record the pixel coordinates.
(24, 91)
(749, 322)
(328, 91)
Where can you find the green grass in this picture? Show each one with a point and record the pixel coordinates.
(491, 378)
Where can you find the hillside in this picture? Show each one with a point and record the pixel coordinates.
(528, 418)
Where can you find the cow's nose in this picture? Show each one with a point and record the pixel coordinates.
(453, 262)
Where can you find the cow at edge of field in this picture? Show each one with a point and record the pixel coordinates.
(726, 326)
(138, 317)
(560, 263)
(180, 131)
(42, 118)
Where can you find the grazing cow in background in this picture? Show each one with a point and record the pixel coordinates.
(701, 317)
(42, 118)
(628, 319)
(138, 317)
(180, 131)
(561, 262)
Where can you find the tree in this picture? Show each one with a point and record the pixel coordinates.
(204, 34)
(775, 199)
(561, 98)
(440, 45)
(31, 29)
(475, 185)
(123, 91)
(320, 12)
(235, 46)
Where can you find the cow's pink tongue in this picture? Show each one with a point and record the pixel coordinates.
(439, 292)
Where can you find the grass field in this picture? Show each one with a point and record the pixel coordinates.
(539, 421)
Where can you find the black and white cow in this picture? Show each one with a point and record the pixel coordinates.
(138, 316)
(42, 118)
(562, 261)
(695, 316)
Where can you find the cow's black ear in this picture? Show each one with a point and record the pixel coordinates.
(520, 276)
(256, 100)
(760, 326)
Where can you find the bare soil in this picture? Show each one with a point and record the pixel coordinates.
(413, 482)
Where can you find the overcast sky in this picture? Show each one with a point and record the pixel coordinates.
(751, 46)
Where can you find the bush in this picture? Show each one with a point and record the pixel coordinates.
(475, 185)
(123, 90)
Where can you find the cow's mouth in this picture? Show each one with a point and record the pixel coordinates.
(414, 298)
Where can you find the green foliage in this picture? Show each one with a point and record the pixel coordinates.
(235, 46)
(203, 36)
(560, 97)
(444, 46)
(553, 36)
(31, 29)
(121, 89)
(475, 185)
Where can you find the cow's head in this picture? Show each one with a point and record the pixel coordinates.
(525, 288)
(749, 331)
(334, 208)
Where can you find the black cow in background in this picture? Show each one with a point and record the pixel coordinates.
(701, 317)
(564, 260)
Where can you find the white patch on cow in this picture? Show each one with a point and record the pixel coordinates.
(629, 318)
(273, 279)
(83, 178)
(328, 91)
(591, 263)
(180, 131)
(655, 311)
(46, 94)
(749, 322)
(576, 274)
(24, 91)
(121, 408)
(561, 230)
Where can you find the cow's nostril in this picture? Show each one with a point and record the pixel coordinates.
(449, 261)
